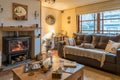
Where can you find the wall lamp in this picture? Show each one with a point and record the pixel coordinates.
(36, 14)
(1, 9)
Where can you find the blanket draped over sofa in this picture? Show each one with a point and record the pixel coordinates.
(90, 53)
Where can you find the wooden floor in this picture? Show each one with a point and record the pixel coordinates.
(89, 74)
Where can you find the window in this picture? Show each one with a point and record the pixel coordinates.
(110, 21)
(87, 23)
(103, 22)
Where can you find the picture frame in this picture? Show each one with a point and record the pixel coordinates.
(50, 19)
(20, 11)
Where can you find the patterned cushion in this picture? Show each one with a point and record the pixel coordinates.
(95, 40)
(87, 38)
(78, 38)
(87, 45)
(103, 42)
(70, 41)
(112, 47)
(66, 41)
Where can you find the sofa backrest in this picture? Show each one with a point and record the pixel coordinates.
(82, 38)
(102, 40)
(99, 40)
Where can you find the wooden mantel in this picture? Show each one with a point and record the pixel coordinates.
(18, 28)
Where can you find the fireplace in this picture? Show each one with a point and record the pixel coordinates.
(16, 49)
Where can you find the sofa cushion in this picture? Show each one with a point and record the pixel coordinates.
(103, 42)
(115, 38)
(87, 38)
(66, 41)
(112, 47)
(70, 41)
(78, 38)
(95, 40)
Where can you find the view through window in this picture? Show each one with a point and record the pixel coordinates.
(103, 22)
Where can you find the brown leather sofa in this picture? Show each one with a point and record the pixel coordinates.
(112, 62)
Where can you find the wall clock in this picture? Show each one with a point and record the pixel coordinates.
(50, 19)
(20, 12)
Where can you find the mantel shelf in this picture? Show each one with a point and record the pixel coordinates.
(18, 29)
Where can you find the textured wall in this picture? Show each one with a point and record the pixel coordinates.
(6, 15)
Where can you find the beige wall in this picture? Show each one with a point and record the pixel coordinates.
(98, 7)
(48, 29)
(69, 27)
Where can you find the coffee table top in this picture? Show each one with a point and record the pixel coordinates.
(38, 75)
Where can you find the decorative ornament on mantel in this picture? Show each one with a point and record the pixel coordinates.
(50, 1)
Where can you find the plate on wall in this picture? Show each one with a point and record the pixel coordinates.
(50, 19)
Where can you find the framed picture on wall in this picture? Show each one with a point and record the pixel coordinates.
(20, 11)
(50, 19)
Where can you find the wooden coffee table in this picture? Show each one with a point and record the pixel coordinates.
(74, 74)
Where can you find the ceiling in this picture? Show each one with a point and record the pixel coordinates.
(68, 4)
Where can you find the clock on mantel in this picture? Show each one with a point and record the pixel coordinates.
(20, 12)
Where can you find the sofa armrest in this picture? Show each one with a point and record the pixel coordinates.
(118, 56)
(118, 61)
(61, 45)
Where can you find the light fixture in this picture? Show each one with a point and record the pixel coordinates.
(50, 1)
(36, 14)
(1, 9)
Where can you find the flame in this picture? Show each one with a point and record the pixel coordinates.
(18, 47)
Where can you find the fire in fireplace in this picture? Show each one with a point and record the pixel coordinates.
(18, 45)
(16, 49)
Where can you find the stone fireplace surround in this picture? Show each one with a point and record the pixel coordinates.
(31, 32)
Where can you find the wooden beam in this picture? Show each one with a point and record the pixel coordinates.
(7, 28)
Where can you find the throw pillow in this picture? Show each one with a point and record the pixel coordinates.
(87, 45)
(70, 41)
(66, 41)
(112, 46)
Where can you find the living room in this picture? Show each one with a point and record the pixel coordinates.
(37, 26)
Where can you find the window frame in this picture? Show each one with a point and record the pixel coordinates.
(97, 23)
(80, 23)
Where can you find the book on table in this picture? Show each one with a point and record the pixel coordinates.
(71, 64)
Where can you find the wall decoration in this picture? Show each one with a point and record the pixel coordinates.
(69, 19)
(20, 12)
(50, 19)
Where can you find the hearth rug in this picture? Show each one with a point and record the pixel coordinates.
(7, 67)
(90, 53)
